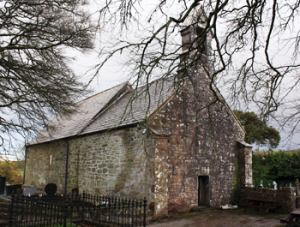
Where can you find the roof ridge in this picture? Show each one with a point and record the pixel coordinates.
(127, 82)
(155, 81)
(123, 90)
(85, 120)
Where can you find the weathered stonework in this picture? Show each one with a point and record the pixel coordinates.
(245, 164)
(109, 163)
(163, 165)
(38, 170)
(189, 155)
(161, 176)
(283, 197)
(184, 144)
(198, 143)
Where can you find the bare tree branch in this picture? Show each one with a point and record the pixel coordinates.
(35, 80)
(246, 39)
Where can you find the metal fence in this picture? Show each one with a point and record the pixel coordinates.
(83, 210)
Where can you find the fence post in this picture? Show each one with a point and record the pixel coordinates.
(65, 206)
(297, 187)
(297, 193)
(83, 195)
(132, 214)
(145, 206)
(11, 210)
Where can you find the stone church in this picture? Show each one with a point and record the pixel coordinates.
(174, 141)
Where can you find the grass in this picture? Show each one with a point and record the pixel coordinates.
(68, 224)
(21, 171)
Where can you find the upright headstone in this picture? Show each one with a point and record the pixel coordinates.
(19, 191)
(275, 185)
(50, 189)
(75, 193)
(261, 183)
(2, 184)
(30, 191)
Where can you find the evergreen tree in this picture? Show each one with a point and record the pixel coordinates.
(257, 130)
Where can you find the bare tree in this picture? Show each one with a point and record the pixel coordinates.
(254, 47)
(19, 152)
(35, 80)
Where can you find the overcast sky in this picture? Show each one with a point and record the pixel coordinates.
(114, 72)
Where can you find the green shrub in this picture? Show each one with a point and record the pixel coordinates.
(275, 166)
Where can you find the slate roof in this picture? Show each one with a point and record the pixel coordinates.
(107, 110)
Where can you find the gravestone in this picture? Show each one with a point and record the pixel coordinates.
(30, 191)
(19, 191)
(261, 183)
(75, 192)
(50, 189)
(2, 184)
(12, 189)
(275, 185)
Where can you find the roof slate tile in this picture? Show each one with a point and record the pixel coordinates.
(113, 108)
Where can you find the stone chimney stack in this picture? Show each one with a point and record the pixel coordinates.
(194, 46)
(193, 38)
(193, 34)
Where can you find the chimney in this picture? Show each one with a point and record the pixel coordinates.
(186, 38)
(194, 43)
(193, 38)
(193, 49)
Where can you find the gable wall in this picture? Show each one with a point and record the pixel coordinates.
(108, 163)
(198, 143)
(38, 170)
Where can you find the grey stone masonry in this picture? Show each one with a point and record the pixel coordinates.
(115, 162)
(284, 197)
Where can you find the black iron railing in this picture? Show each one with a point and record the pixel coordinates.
(83, 210)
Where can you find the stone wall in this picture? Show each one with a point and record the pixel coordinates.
(161, 168)
(108, 163)
(245, 164)
(117, 163)
(284, 197)
(197, 142)
(38, 170)
(192, 136)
